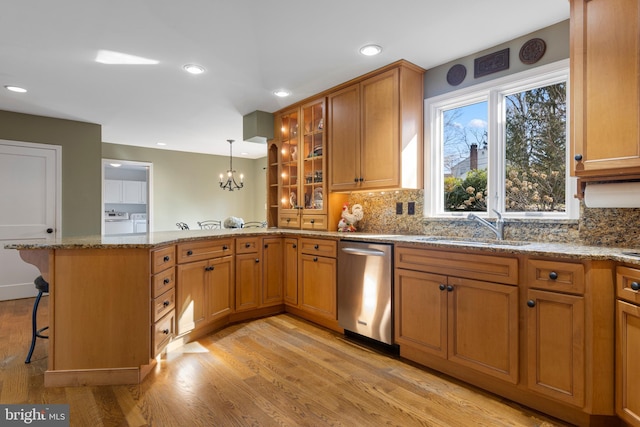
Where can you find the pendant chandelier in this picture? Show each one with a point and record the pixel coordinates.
(230, 183)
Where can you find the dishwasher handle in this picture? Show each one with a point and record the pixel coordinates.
(363, 252)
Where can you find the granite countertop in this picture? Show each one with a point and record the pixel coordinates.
(151, 240)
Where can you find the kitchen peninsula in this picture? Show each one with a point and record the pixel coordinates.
(116, 302)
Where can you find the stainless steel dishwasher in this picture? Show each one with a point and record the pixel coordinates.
(365, 277)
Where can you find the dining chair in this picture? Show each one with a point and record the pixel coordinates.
(255, 224)
(210, 224)
(182, 225)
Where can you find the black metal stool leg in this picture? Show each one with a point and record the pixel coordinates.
(34, 327)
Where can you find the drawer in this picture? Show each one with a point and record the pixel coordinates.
(164, 258)
(628, 283)
(289, 221)
(162, 282)
(489, 268)
(314, 222)
(320, 247)
(161, 332)
(163, 304)
(556, 276)
(247, 245)
(204, 249)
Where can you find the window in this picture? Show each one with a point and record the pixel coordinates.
(503, 146)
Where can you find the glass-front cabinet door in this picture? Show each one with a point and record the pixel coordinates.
(312, 161)
(290, 196)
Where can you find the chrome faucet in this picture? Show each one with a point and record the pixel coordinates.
(498, 229)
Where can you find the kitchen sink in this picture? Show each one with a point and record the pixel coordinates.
(470, 242)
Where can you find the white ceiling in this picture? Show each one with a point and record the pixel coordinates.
(249, 48)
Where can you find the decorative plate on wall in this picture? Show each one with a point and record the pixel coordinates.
(456, 74)
(532, 51)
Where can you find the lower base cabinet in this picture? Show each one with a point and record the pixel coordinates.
(468, 322)
(317, 292)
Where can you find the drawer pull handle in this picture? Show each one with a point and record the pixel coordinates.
(210, 268)
(442, 287)
(578, 157)
(312, 221)
(294, 246)
(257, 259)
(225, 247)
(316, 246)
(165, 331)
(266, 246)
(166, 303)
(635, 286)
(531, 303)
(247, 245)
(166, 281)
(315, 259)
(449, 288)
(189, 252)
(166, 258)
(553, 275)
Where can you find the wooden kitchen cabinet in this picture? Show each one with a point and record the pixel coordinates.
(605, 82)
(205, 278)
(259, 264)
(303, 198)
(375, 127)
(290, 271)
(556, 329)
(628, 345)
(163, 298)
(472, 323)
(317, 292)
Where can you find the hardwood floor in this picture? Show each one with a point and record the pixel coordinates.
(276, 371)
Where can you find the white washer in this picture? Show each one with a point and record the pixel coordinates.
(139, 222)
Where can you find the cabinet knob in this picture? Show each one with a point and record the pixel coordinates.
(49, 230)
(166, 281)
(166, 303)
(315, 259)
(553, 275)
(189, 252)
(361, 179)
(165, 331)
(209, 268)
(531, 303)
(578, 157)
(355, 179)
(449, 288)
(247, 245)
(442, 287)
(257, 260)
(266, 246)
(635, 286)
(294, 246)
(225, 247)
(312, 221)
(288, 219)
(166, 258)
(316, 246)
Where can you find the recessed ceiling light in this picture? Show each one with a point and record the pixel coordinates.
(194, 69)
(115, 165)
(370, 50)
(15, 89)
(162, 144)
(282, 93)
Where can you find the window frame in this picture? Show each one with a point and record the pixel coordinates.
(494, 93)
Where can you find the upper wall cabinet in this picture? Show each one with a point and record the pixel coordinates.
(375, 127)
(605, 93)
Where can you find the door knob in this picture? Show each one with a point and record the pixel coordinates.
(49, 230)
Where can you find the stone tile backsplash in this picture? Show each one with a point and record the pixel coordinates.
(598, 227)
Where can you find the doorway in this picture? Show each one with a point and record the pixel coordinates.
(127, 197)
(30, 190)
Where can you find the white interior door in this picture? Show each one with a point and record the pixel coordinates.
(30, 182)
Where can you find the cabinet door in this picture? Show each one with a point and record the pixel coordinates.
(380, 131)
(421, 311)
(290, 271)
(248, 281)
(318, 286)
(219, 288)
(556, 345)
(627, 366)
(344, 139)
(604, 76)
(191, 301)
(272, 273)
(483, 327)
(132, 192)
(112, 191)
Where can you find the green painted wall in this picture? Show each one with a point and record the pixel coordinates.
(81, 162)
